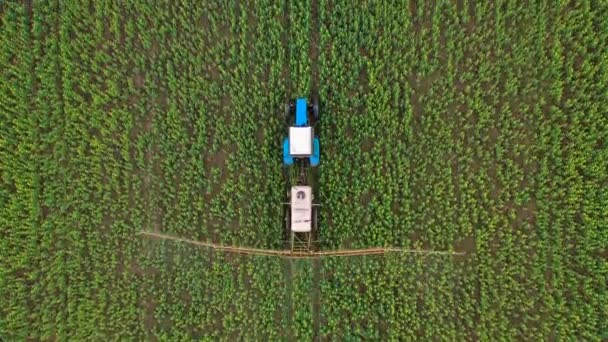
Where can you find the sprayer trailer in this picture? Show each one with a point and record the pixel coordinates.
(301, 218)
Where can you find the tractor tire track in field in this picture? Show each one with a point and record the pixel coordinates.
(288, 276)
(288, 267)
(315, 78)
(314, 47)
(316, 298)
(285, 43)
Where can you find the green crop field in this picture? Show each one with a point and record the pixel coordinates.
(478, 127)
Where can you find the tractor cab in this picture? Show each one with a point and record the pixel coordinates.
(301, 142)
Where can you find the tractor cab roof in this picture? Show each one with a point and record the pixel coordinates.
(300, 141)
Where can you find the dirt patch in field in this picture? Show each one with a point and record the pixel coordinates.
(139, 80)
(217, 161)
(260, 135)
(149, 319)
(349, 132)
(413, 7)
(367, 145)
(366, 198)
(416, 107)
(363, 80)
(471, 24)
(466, 245)
(459, 5)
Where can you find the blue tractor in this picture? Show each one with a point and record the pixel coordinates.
(301, 144)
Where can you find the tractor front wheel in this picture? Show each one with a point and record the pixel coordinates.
(287, 110)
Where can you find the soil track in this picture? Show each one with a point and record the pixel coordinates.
(288, 272)
(316, 298)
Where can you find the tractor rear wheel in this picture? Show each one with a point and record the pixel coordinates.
(315, 108)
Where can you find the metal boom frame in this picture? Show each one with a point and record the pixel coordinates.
(289, 254)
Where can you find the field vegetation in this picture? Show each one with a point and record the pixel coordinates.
(478, 127)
